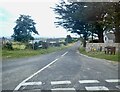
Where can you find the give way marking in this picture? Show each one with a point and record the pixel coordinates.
(23, 82)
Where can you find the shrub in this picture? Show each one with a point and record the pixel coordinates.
(36, 46)
(44, 45)
(18, 45)
(8, 46)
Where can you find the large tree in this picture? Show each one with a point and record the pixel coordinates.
(24, 28)
(112, 20)
(87, 17)
(79, 17)
(68, 39)
(68, 19)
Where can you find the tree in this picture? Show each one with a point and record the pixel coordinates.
(87, 18)
(78, 17)
(68, 19)
(91, 14)
(25, 26)
(68, 39)
(112, 19)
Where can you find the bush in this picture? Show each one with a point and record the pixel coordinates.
(8, 46)
(36, 46)
(44, 45)
(57, 44)
(18, 45)
(29, 46)
(65, 43)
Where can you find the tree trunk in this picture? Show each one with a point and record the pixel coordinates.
(117, 23)
(100, 36)
(117, 34)
(84, 43)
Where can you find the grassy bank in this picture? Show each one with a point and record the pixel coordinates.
(100, 55)
(6, 54)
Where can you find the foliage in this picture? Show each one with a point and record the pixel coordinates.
(88, 18)
(6, 54)
(8, 46)
(18, 45)
(25, 26)
(112, 19)
(36, 46)
(44, 45)
(68, 39)
(77, 18)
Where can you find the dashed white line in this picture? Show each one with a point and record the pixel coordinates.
(118, 86)
(88, 81)
(32, 83)
(64, 54)
(113, 80)
(60, 82)
(17, 88)
(96, 88)
(59, 89)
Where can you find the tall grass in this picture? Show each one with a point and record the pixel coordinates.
(100, 55)
(6, 54)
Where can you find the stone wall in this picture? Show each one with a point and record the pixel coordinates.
(98, 46)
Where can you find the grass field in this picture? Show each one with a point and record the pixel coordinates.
(6, 54)
(100, 55)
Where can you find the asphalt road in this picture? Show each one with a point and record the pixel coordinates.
(63, 70)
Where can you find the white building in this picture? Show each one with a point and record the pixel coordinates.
(109, 37)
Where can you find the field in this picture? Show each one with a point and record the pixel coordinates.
(6, 54)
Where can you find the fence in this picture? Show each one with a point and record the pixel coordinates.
(101, 46)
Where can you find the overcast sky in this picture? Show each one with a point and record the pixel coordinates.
(40, 12)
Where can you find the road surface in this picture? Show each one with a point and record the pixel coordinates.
(62, 70)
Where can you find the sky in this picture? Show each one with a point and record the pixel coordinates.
(40, 12)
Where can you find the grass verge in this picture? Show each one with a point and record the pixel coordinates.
(7, 54)
(101, 55)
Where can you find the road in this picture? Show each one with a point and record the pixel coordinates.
(62, 70)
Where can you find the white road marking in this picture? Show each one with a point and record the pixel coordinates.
(96, 88)
(118, 86)
(17, 88)
(32, 83)
(63, 89)
(88, 81)
(60, 82)
(113, 80)
(64, 54)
